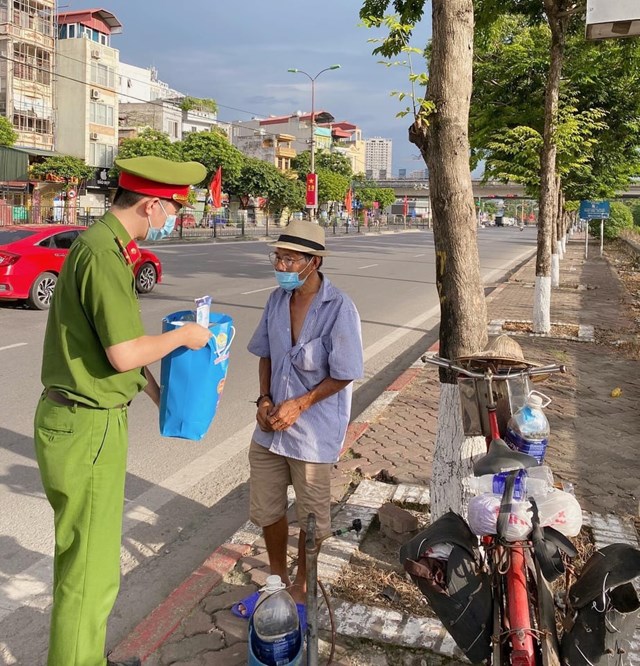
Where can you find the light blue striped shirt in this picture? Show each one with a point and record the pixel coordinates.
(329, 345)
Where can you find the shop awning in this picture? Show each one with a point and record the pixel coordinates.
(36, 152)
(14, 165)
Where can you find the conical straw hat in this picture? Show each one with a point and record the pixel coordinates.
(501, 350)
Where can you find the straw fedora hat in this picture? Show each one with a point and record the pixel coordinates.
(302, 236)
(502, 350)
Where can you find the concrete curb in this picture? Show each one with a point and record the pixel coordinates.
(154, 630)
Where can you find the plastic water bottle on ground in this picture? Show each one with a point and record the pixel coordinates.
(534, 481)
(275, 638)
(528, 429)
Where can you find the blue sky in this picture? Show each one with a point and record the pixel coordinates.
(238, 53)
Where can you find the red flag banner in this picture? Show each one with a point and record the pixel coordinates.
(216, 189)
(405, 208)
(312, 190)
(348, 201)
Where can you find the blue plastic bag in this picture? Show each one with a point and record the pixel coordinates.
(191, 381)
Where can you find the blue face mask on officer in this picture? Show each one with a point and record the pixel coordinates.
(165, 230)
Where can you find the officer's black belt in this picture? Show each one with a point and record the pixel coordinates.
(60, 399)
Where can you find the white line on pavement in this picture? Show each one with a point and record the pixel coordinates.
(32, 587)
(367, 266)
(419, 255)
(400, 332)
(255, 291)
(18, 344)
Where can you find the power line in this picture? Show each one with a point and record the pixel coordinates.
(223, 106)
(158, 102)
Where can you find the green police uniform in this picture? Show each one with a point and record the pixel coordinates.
(81, 427)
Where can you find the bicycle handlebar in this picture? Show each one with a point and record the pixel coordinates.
(506, 374)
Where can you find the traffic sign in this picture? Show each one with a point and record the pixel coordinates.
(594, 210)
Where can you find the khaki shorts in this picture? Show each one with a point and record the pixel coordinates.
(272, 473)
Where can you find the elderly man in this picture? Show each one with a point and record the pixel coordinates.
(310, 350)
(94, 364)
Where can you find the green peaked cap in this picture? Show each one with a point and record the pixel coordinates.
(163, 171)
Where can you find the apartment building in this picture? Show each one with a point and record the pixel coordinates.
(141, 84)
(378, 153)
(87, 86)
(162, 115)
(276, 149)
(347, 140)
(297, 125)
(27, 42)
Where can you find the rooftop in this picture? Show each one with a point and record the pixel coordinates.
(87, 15)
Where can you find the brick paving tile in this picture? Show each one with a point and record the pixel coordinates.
(233, 627)
(198, 622)
(190, 647)
(216, 602)
(236, 655)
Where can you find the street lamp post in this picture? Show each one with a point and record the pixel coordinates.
(313, 123)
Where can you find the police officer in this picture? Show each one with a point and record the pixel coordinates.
(95, 361)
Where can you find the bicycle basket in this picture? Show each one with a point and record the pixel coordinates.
(509, 395)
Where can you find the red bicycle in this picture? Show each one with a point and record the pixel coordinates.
(521, 635)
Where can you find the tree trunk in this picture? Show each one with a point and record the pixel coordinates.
(555, 250)
(547, 203)
(562, 224)
(444, 145)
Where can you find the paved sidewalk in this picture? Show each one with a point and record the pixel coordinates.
(593, 445)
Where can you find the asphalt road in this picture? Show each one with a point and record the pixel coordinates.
(185, 498)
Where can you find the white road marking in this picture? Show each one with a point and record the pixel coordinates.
(255, 291)
(367, 266)
(18, 344)
(400, 332)
(32, 586)
(419, 255)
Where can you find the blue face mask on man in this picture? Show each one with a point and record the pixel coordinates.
(291, 280)
(165, 230)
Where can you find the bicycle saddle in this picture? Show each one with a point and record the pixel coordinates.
(500, 457)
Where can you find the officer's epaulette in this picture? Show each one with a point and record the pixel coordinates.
(130, 252)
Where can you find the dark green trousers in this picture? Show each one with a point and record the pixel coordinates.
(82, 455)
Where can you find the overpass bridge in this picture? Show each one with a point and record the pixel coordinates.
(419, 189)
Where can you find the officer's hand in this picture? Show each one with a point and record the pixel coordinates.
(195, 336)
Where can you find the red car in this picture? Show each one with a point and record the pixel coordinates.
(31, 257)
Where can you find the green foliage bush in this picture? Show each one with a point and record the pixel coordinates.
(635, 212)
(620, 218)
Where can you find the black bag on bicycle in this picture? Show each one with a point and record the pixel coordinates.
(457, 588)
(605, 609)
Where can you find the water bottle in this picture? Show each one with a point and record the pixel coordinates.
(534, 481)
(275, 638)
(528, 429)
